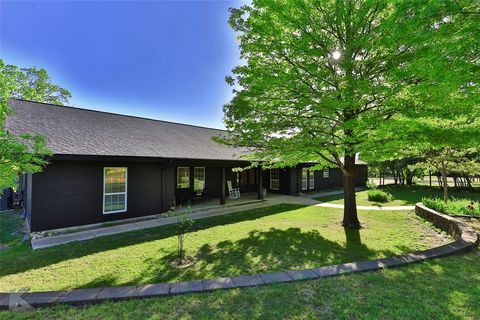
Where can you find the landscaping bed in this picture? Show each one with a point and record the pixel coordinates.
(456, 207)
(277, 238)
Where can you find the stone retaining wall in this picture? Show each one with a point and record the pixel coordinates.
(465, 239)
(454, 227)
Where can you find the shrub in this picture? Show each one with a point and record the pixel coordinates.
(379, 196)
(436, 204)
(371, 185)
(454, 206)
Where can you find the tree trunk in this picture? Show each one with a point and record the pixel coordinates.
(401, 177)
(445, 186)
(350, 218)
(409, 175)
(469, 182)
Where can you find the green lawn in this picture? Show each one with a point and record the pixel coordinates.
(447, 288)
(404, 195)
(11, 229)
(267, 239)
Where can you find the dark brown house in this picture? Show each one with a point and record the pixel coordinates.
(108, 167)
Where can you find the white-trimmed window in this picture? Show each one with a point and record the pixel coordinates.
(114, 190)
(198, 180)
(311, 179)
(326, 172)
(274, 179)
(183, 177)
(304, 178)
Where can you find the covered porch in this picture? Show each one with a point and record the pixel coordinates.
(205, 186)
(215, 203)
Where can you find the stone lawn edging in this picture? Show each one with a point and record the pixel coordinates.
(465, 239)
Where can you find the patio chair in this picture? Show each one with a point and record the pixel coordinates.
(233, 193)
(184, 196)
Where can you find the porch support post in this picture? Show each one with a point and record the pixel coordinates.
(224, 182)
(260, 183)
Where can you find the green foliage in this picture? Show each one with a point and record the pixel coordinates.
(451, 160)
(33, 84)
(454, 206)
(379, 196)
(26, 153)
(371, 185)
(328, 78)
(447, 161)
(325, 80)
(20, 154)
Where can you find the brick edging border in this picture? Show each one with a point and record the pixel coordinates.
(465, 239)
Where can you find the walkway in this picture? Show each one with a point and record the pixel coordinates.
(329, 193)
(385, 208)
(272, 199)
(340, 206)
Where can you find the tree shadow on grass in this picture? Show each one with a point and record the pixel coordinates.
(261, 252)
(22, 258)
(106, 280)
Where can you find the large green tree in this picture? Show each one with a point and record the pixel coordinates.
(326, 80)
(28, 152)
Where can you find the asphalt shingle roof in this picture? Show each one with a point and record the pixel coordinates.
(75, 131)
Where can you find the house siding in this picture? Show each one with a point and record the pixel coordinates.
(335, 179)
(27, 188)
(71, 193)
(168, 187)
(361, 176)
